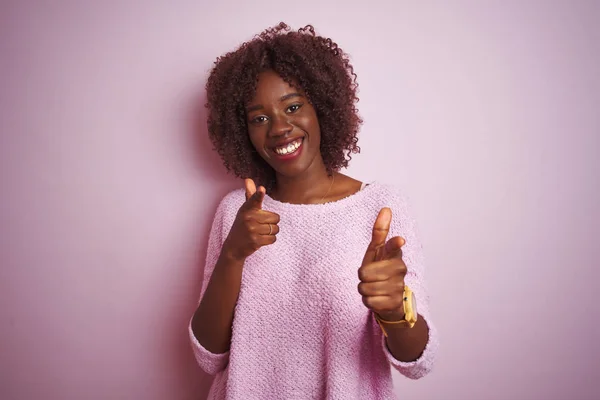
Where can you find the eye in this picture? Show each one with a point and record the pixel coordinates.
(293, 108)
(259, 120)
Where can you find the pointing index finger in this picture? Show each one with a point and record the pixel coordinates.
(250, 187)
(254, 196)
(255, 201)
(381, 228)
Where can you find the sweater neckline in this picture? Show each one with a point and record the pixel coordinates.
(273, 204)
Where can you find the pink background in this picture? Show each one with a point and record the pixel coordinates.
(486, 112)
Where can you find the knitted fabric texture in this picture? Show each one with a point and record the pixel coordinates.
(300, 329)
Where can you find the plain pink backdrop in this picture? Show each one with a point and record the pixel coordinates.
(486, 112)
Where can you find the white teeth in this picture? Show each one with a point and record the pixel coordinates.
(290, 148)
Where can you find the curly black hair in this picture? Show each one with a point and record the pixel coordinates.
(313, 64)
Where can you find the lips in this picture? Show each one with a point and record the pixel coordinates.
(288, 149)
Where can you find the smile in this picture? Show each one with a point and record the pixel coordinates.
(289, 149)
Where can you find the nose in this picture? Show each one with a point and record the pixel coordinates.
(280, 126)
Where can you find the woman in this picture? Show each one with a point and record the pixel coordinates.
(307, 279)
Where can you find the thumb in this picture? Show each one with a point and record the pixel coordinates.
(381, 228)
(393, 248)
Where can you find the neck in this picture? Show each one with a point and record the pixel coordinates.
(307, 188)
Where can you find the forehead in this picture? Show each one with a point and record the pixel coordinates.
(271, 87)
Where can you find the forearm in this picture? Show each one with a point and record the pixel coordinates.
(407, 344)
(213, 318)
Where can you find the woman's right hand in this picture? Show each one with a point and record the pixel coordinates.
(253, 227)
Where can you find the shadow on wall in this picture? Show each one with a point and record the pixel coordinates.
(212, 176)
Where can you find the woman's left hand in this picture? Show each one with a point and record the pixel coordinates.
(382, 271)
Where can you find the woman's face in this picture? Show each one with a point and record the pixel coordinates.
(283, 126)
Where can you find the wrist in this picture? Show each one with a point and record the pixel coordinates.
(229, 255)
(229, 268)
(390, 316)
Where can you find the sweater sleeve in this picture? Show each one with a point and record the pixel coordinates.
(404, 225)
(210, 362)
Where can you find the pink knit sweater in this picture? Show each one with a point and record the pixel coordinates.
(300, 329)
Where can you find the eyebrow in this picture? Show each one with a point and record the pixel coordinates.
(283, 98)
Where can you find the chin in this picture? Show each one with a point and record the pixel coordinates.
(291, 171)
